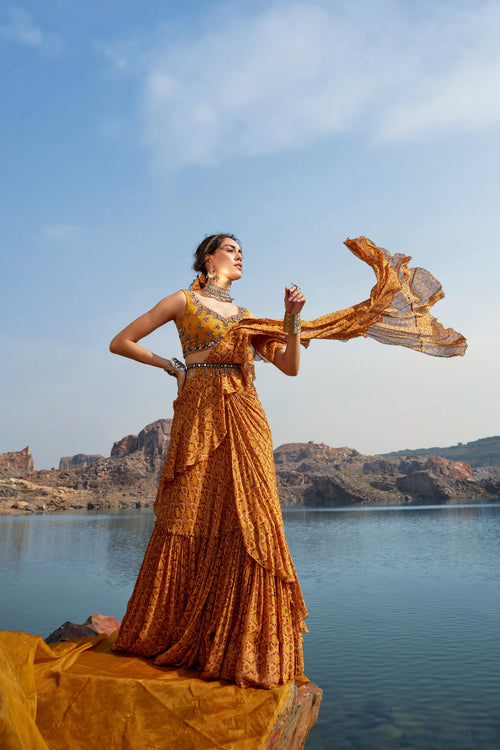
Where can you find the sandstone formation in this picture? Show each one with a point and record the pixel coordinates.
(80, 461)
(152, 441)
(127, 478)
(30, 497)
(308, 474)
(17, 462)
(312, 475)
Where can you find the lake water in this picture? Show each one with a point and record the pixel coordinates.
(404, 608)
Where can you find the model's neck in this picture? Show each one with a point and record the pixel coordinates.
(222, 282)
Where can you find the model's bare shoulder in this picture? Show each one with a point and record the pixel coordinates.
(169, 308)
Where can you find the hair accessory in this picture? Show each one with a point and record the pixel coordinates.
(213, 239)
(198, 283)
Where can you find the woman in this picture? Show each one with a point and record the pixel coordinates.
(217, 588)
(201, 599)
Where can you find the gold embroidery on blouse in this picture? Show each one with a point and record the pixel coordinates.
(200, 327)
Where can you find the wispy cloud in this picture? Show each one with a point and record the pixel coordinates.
(461, 95)
(119, 55)
(294, 73)
(61, 233)
(22, 29)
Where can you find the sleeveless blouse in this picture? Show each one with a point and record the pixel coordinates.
(200, 327)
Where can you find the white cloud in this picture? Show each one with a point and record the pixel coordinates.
(295, 72)
(463, 98)
(21, 28)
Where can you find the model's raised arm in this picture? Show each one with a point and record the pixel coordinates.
(125, 342)
(288, 359)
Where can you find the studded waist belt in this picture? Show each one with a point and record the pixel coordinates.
(213, 366)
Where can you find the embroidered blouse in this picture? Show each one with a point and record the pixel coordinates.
(200, 327)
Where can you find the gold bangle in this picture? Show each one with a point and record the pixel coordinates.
(291, 323)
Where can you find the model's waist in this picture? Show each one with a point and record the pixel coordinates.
(213, 366)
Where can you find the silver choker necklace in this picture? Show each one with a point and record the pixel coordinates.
(217, 292)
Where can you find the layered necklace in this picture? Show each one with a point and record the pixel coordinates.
(217, 292)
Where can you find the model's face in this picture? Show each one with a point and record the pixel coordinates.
(227, 261)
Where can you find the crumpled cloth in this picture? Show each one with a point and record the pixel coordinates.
(78, 695)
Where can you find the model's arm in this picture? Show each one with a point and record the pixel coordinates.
(288, 359)
(125, 342)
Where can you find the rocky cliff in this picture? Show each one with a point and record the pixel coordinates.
(315, 475)
(477, 453)
(127, 478)
(308, 474)
(17, 462)
(80, 461)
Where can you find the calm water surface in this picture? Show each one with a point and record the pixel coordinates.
(404, 611)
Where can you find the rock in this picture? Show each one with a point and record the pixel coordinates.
(445, 467)
(21, 505)
(23, 495)
(95, 624)
(308, 474)
(294, 452)
(80, 461)
(18, 462)
(381, 466)
(427, 485)
(125, 446)
(316, 475)
(296, 719)
(486, 472)
(292, 725)
(152, 440)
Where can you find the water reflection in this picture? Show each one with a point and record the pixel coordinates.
(127, 540)
(404, 610)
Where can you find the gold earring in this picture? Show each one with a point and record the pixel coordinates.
(211, 273)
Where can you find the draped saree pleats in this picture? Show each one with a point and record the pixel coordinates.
(202, 599)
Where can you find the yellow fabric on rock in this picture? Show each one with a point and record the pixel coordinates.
(81, 695)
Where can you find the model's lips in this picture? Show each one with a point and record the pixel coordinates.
(238, 265)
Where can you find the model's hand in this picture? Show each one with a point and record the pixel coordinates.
(294, 299)
(181, 381)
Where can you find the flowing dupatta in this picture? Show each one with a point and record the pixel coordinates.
(397, 312)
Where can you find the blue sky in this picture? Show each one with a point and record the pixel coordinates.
(130, 130)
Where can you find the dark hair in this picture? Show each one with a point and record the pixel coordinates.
(208, 246)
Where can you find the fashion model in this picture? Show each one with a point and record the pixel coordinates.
(217, 590)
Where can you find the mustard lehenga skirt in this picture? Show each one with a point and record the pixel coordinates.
(217, 590)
